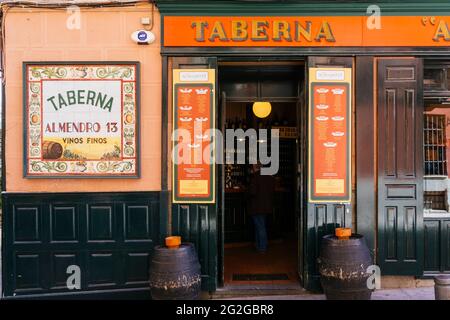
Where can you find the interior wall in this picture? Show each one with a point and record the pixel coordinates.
(42, 35)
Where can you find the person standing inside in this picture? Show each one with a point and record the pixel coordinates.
(260, 204)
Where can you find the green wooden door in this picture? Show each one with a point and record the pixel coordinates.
(197, 223)
(400, 166)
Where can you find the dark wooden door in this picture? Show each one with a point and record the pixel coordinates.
(400, 166)
(197, 223)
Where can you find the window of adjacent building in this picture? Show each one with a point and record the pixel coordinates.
(435, 159)
(435, 145)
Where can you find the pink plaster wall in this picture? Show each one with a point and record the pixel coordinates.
(41, 35)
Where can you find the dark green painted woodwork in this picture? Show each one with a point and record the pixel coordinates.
(446, 245)
(320, 218)
(110, 236)
(197, 223)
(366, 218)
(221, 206)
(301, 7)
(400, 166)
(436, 245)
(432, 237)
(116, 294)
(64, 225)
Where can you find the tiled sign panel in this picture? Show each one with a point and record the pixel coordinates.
(81, 120)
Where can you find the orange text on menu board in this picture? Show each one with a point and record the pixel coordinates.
(330, 139)
(194, 116)
(329, 31)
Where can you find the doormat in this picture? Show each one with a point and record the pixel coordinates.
(260, 276)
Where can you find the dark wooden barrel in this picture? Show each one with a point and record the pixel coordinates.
(175, 273)
(51, 150)
(343, 268)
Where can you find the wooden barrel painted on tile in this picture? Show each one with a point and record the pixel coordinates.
(343, 268)
(175, 273)
(51, 150)
(442, 287)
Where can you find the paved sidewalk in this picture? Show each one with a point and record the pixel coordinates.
(426, 293)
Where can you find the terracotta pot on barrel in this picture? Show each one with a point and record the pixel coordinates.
(343, 263)
(175, 271)
(442, 287)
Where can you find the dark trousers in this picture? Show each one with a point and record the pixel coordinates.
(259, 220)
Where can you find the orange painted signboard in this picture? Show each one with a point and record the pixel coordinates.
(330, 144)
(328, 31)
(193, 162)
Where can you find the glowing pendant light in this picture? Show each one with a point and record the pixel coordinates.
(262, 109)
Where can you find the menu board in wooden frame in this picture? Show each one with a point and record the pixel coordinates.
(193, 153)
(329, 159)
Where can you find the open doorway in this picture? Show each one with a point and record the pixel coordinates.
(244, 260)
